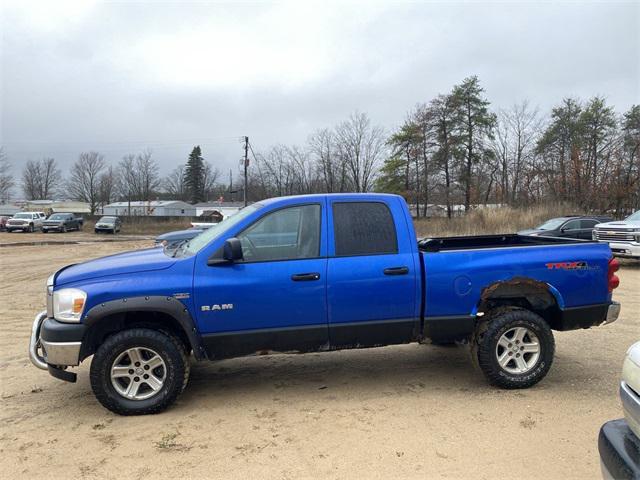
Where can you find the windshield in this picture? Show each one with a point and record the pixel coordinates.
(22, 215)
(196, 244)
(107, 220)
(634, 217)
(552, 224)
(57, 216)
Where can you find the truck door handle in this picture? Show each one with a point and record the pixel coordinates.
(396, 271)
(305, 277)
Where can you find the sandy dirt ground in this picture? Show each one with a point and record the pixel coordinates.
(414, 411)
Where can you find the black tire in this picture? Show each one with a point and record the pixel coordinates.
(169, 348)
(30, 229)
(490, 333)
(63, 229)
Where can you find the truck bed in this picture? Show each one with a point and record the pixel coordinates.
(491, 241)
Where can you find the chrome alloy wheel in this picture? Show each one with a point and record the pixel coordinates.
(518, 350)
(138, 373)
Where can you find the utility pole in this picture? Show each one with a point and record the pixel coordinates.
(231, 185)
(246, 164)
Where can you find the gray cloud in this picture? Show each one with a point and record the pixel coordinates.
(120, 77)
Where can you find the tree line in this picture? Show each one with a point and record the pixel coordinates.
(454, 150)
(136, 177)
(450, 150)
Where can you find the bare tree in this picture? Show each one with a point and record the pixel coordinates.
(40, 179)
(6, 179)
(127, 181)
(107, 186)
(331, 168)
(139, 176)
(361, 147)
(147, 176)
(175, 185)
(210, 177)
(516, 134)
(84, 183)
(31, 180)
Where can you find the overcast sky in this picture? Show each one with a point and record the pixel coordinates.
(118, 77)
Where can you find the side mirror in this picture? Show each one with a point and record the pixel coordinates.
(231, 252)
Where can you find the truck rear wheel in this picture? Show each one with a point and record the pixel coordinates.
(516, 349)
(139, 371)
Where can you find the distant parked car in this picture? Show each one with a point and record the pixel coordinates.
(619, 440)
(62, 222)
(3, 222)
(572, 226)
(623, 236)
(26, 221)
(108, 225)
(173, 239)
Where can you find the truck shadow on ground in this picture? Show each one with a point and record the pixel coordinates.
(368, 372)
(629, 263)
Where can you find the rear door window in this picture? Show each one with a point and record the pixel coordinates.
(588, 223)
(363, 228)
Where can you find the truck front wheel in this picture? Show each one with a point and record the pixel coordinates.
(139, 371)
(515, 349)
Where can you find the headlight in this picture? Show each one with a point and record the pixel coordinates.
(68, 304)
(594, 235)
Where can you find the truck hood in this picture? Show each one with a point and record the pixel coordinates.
(532, 231)
(619, 225)
(120, 264)
(179, 235)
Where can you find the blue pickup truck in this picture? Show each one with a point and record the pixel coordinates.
(316, 273)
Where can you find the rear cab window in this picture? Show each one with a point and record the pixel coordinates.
(363, 228)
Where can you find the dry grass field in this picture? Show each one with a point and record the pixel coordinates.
(488, 221)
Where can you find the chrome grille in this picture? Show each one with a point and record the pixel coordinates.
(614, 235)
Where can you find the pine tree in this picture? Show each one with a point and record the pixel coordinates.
(194, 175)
(475, 127)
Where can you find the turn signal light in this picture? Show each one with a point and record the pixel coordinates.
(78, 305)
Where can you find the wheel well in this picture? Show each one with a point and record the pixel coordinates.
(524, 293)
(117, 322)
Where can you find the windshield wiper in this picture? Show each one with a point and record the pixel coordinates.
(180, 247)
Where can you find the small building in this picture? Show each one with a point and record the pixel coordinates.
(154, 208)
(213, 209)
(8, 210)
(57, 206)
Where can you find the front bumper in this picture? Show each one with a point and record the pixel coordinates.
(55, 345)
(623, 249)
(17, 227)
(619, 451)
(49, 228)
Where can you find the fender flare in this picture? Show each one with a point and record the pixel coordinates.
(167, 305)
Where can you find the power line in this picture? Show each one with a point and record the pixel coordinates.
(177, 141)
